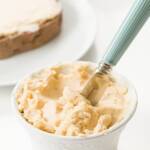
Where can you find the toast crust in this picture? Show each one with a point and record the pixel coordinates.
(20, 42)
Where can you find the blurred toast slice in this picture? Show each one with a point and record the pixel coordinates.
(28, 24)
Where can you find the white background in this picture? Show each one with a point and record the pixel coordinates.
(135, 65)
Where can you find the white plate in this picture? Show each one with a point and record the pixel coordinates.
(78, 34)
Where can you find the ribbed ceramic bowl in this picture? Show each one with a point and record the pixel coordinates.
(42, 140)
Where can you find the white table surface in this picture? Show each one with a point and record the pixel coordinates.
(135, 65)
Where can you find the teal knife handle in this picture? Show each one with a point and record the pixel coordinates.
(132, 24)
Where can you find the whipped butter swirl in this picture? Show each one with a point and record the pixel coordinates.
(50, 100)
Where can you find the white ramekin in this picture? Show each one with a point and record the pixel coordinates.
(45, 141)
